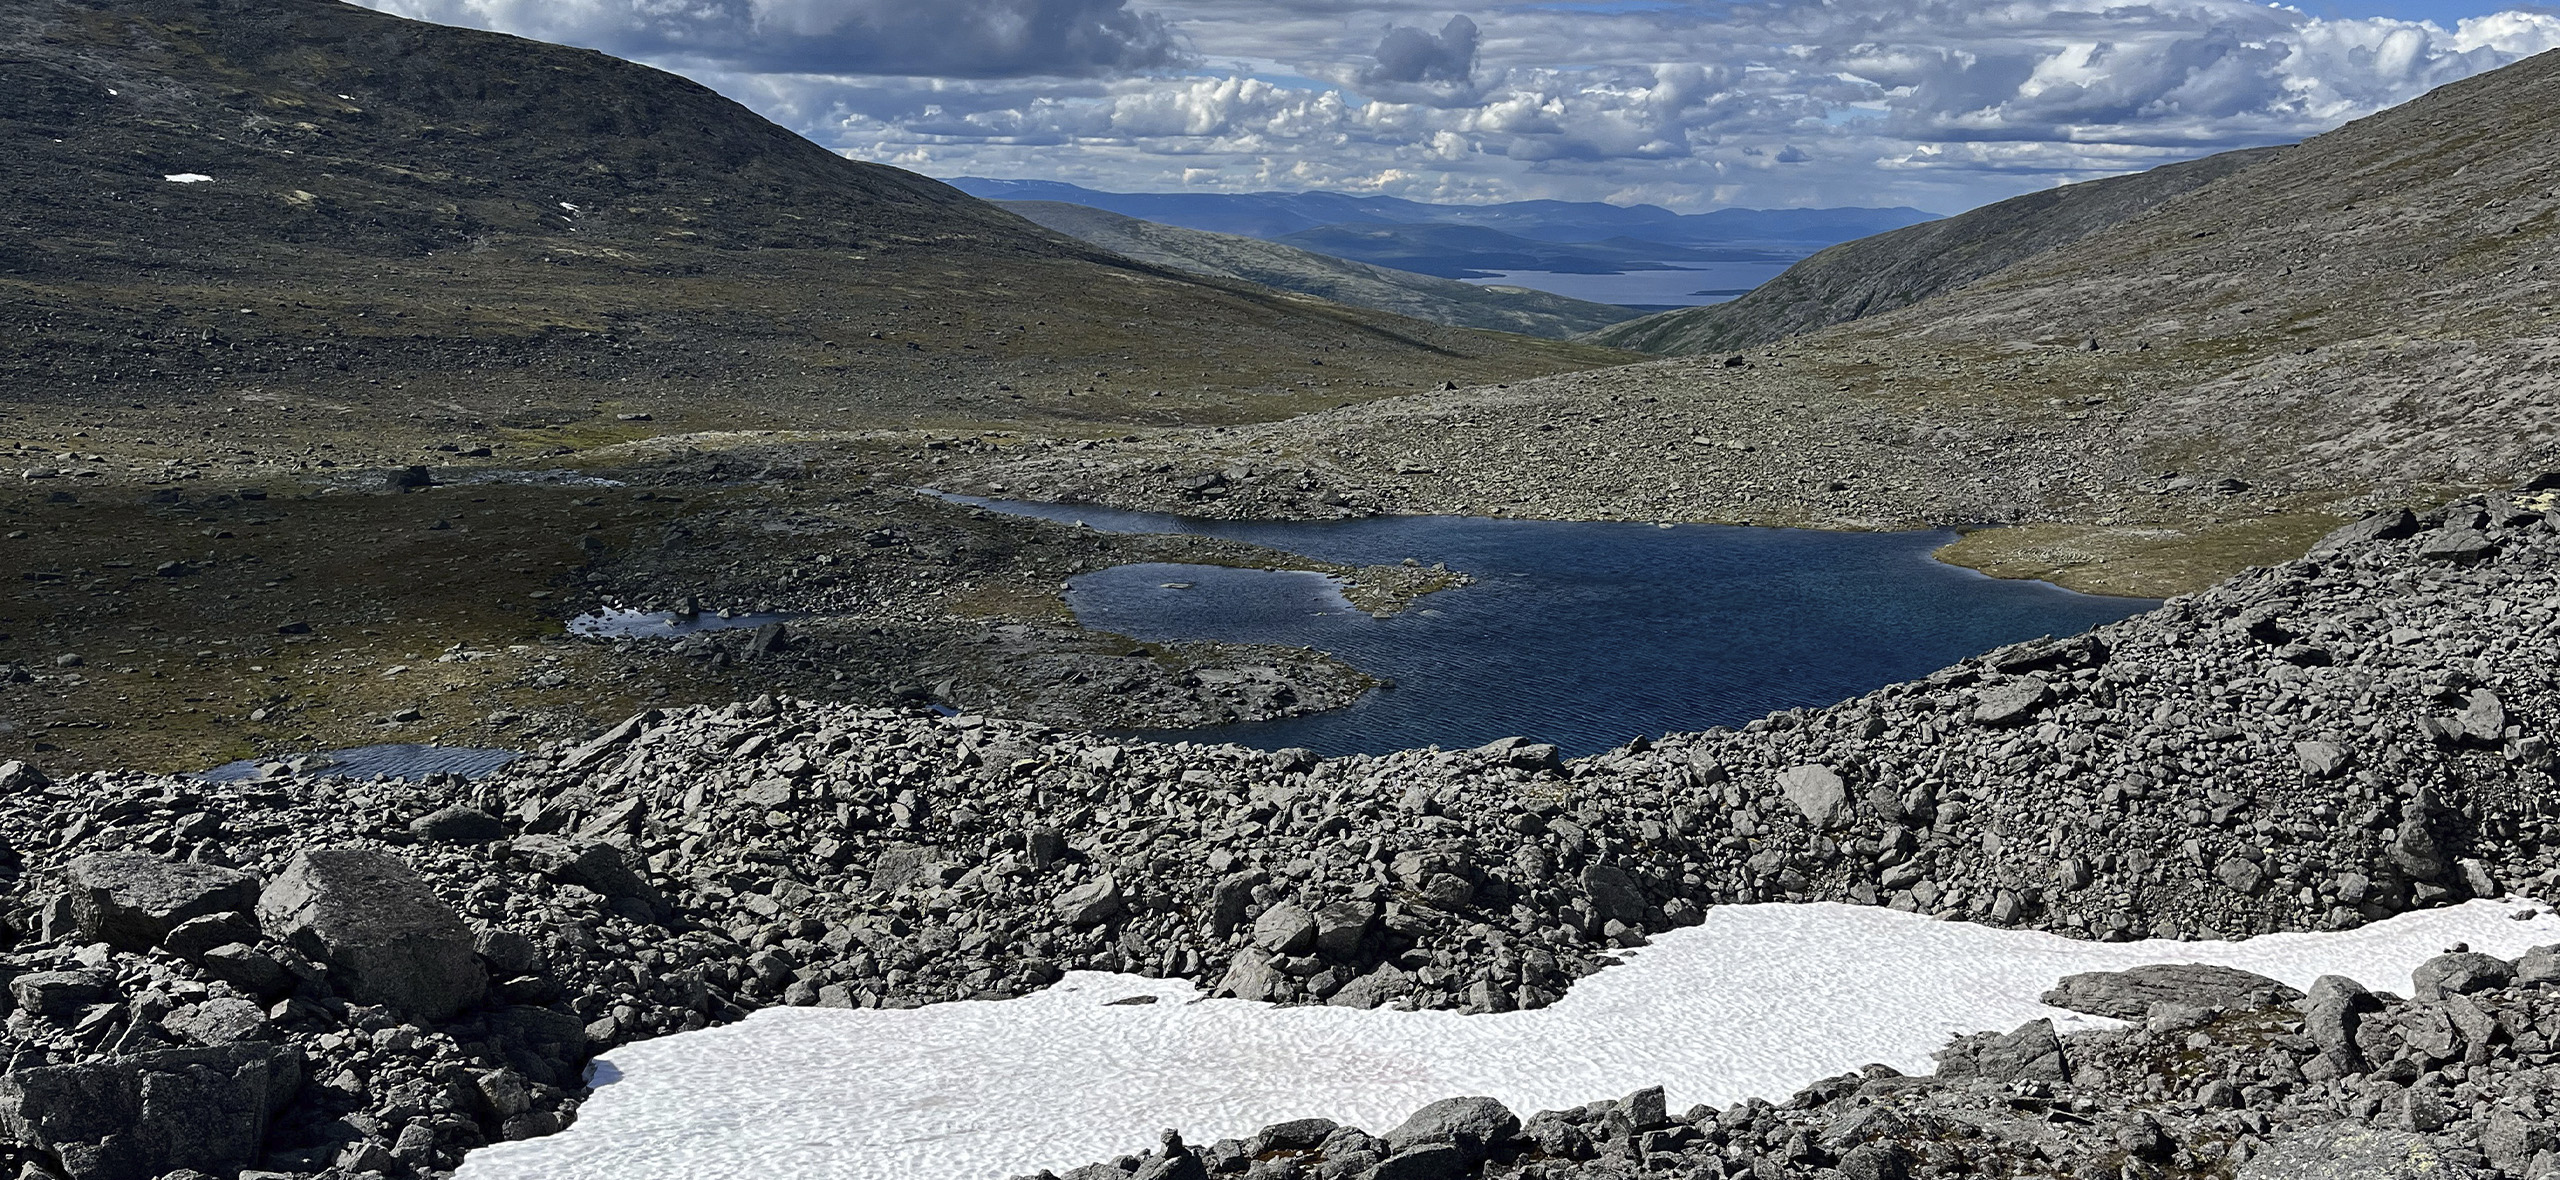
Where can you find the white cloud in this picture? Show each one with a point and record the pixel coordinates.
(1941, 103)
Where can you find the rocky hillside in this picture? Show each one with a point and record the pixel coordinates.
(1423, 297)
(310, 198)
(402, 972)
(1872, 276)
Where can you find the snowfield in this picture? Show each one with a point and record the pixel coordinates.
(1757, 1001)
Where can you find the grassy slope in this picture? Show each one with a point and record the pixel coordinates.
(531, 230)
(1423, 297)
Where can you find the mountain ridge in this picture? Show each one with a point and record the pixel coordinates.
(1274, 264)
(1901, 267)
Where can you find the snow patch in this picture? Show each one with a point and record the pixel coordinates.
(187, 178)
(1759, 1000)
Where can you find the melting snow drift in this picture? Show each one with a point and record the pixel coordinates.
(187, 178)
(1759, 1000)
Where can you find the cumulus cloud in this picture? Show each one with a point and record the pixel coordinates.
(1937, 103)
(1411, 55)
(947, 38)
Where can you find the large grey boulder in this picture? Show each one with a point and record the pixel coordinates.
(2460, 974)
(2129, 995)
(2331, 1011)
(1472, 1125)
(149, 1115)
(387, 937)
(131, 900)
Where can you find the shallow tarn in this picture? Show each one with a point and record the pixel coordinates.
(1757, 1001)
(1580, 633)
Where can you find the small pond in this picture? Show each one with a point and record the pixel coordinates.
(1581, 634)
(400, 760)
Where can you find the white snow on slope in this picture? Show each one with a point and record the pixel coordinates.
(1759, 1000)
(187, 178)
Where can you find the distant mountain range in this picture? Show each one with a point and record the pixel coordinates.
(1475, 241)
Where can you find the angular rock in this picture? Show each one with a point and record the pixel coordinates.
(1817, 793)
(2324, 759)
(1435, 1161)
(1340, 927)
(1472, 1125)
(2392, 525)
(1614, 893)
(192, 938)
(2032, 1053)
(592, 864)
(1091, 904)
(220, 1021)
(388, 937)
(2458, 546)
(61, 994)
(246, 967)
(2460, 975)
(1252, 976)
(148, 1115)
(2129, 995)
(2539, 966)
(1285, 929)
(131, 900)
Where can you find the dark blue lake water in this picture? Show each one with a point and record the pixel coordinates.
(1581, 634)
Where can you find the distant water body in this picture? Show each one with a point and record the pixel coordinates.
(1684, 285)
(1581, 634)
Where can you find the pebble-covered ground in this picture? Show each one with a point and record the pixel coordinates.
(309, 976)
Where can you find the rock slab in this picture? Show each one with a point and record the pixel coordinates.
(152, 1114)
(131, 900)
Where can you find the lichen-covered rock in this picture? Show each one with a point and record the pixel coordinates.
(379, 926)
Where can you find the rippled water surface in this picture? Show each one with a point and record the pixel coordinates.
(1581, 634)
(398, 760)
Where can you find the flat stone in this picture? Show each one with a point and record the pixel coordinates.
(2129, 995)
(388, 937)
(2349, 1151)
(2011, 702)
(131, 900)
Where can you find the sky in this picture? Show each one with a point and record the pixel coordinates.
(1689, 104)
